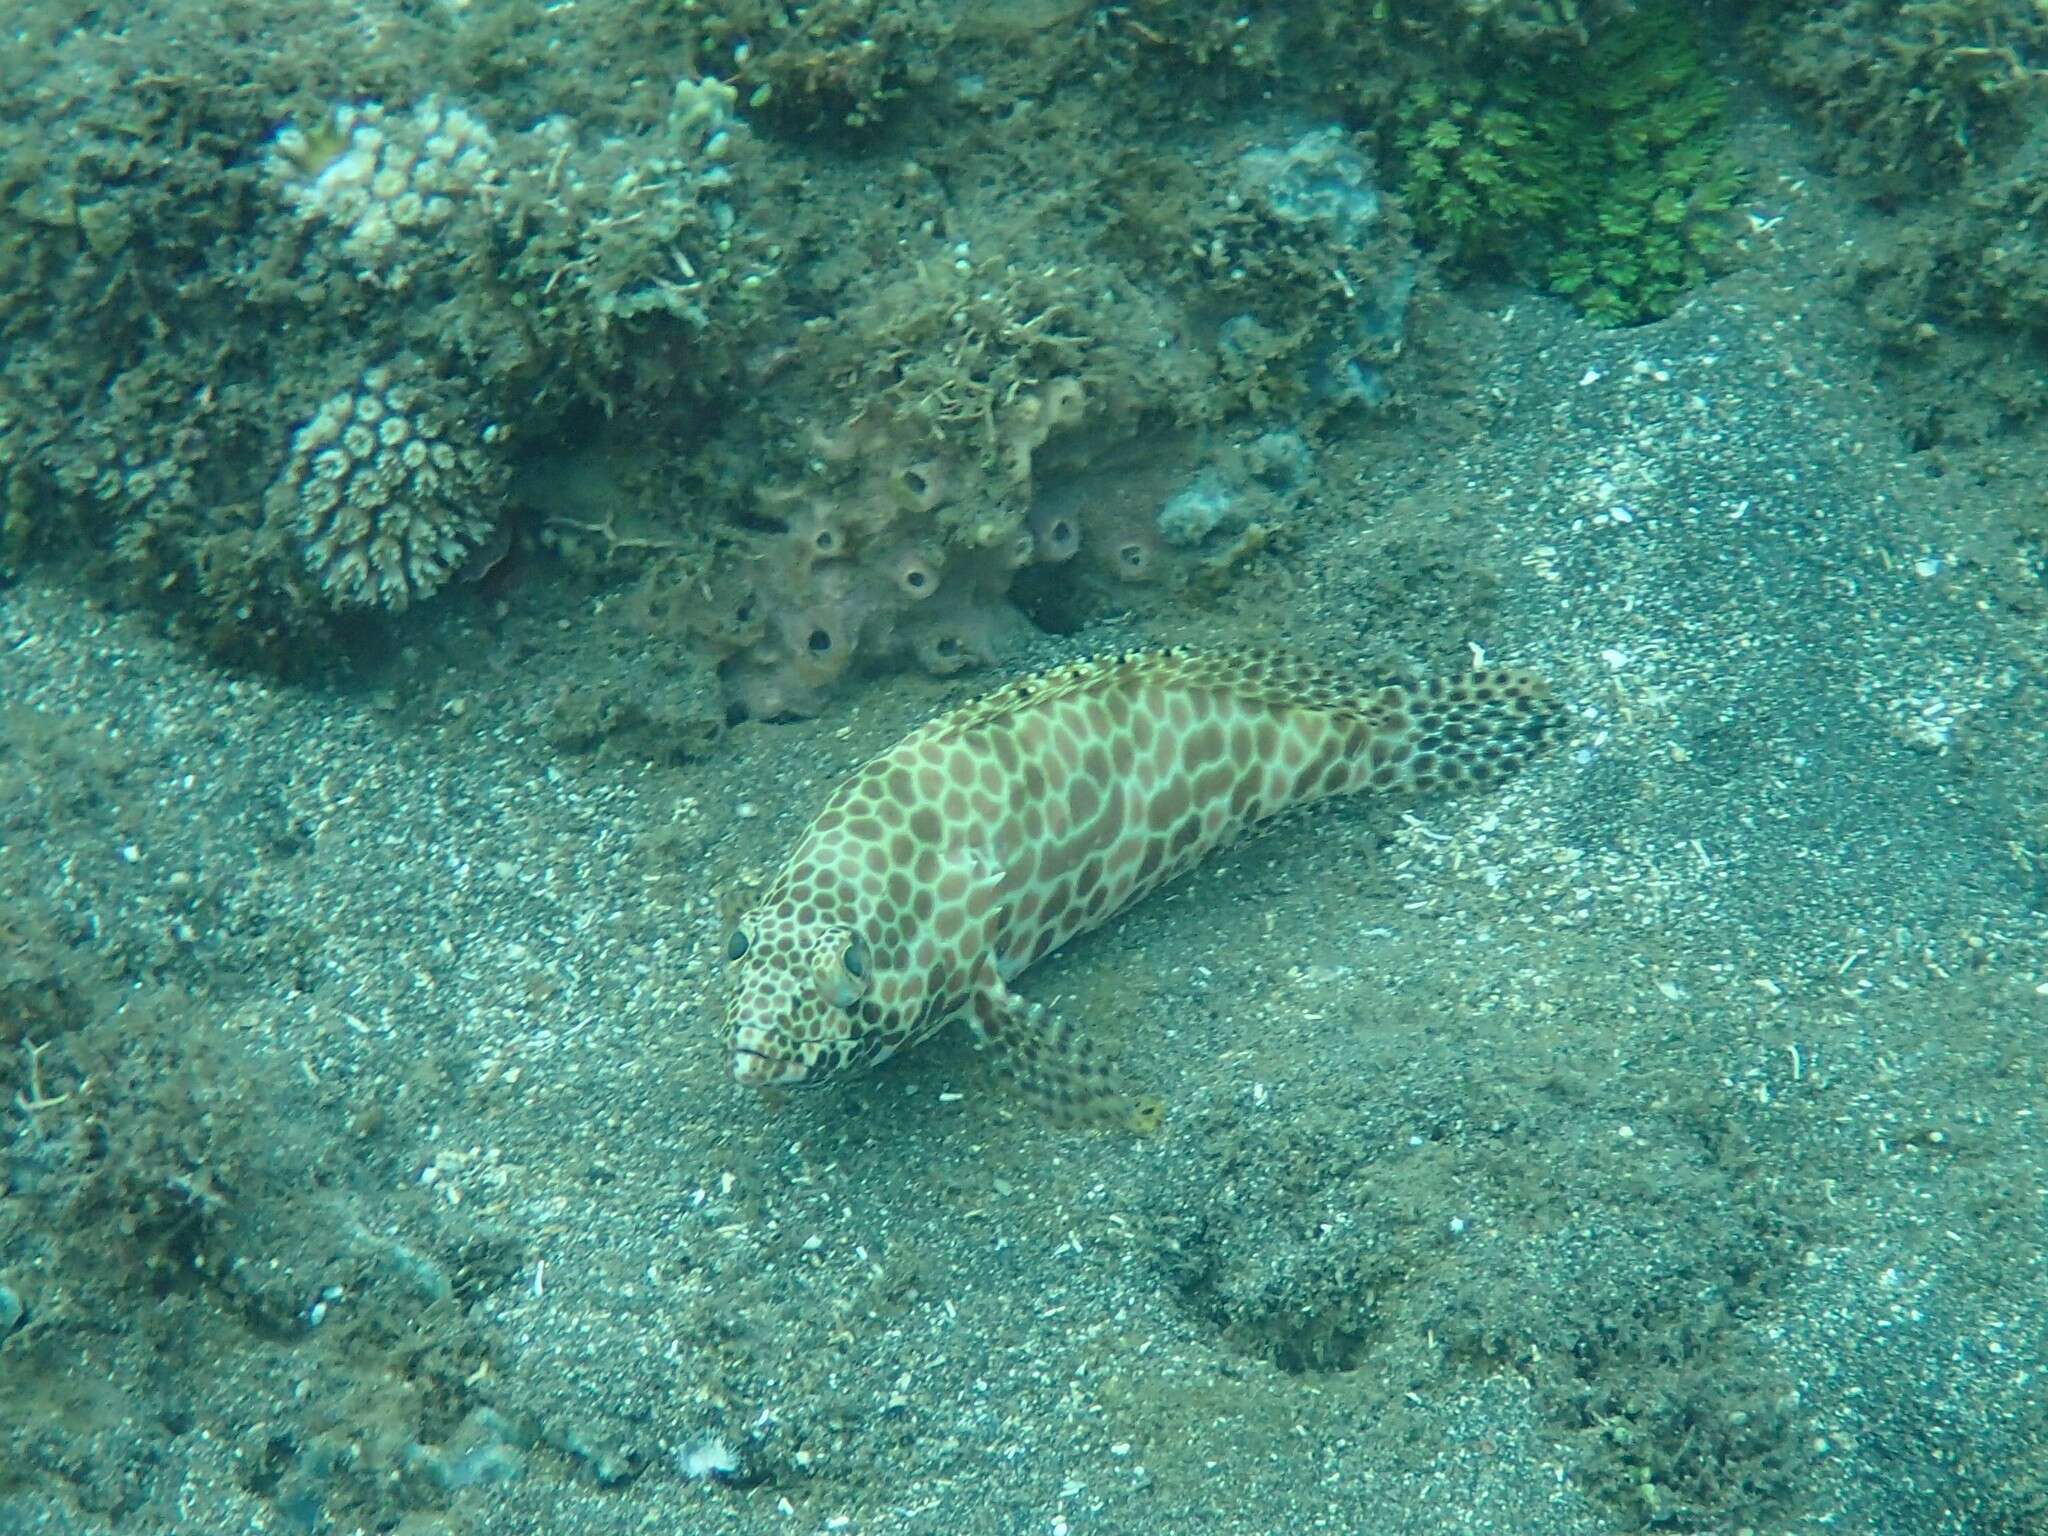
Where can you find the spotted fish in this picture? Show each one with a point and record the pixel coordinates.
(991, 835)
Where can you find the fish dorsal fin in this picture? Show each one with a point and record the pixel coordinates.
(1271, 676)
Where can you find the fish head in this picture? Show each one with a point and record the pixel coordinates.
(794, 991)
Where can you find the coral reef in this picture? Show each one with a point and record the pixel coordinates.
(833, 66)
(1346, 50)
(210, 266)
(1259, 483)
(307, 348)
(988, 397)
(604, 233)
(893, 527)
(386, 488)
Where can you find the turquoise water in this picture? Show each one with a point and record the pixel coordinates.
(477, 476)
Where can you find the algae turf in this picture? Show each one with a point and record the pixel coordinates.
(1908, 95)
(1640, 1362)
(164, 1211)
(1935, 112)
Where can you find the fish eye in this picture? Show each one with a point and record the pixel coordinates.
(737, 949)
(855, 962)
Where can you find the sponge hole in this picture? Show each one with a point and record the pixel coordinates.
(920, 486)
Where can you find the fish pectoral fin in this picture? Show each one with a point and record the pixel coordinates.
(1048, 1062)
(981, 853)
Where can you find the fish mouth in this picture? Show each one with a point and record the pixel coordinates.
(752, 1069)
